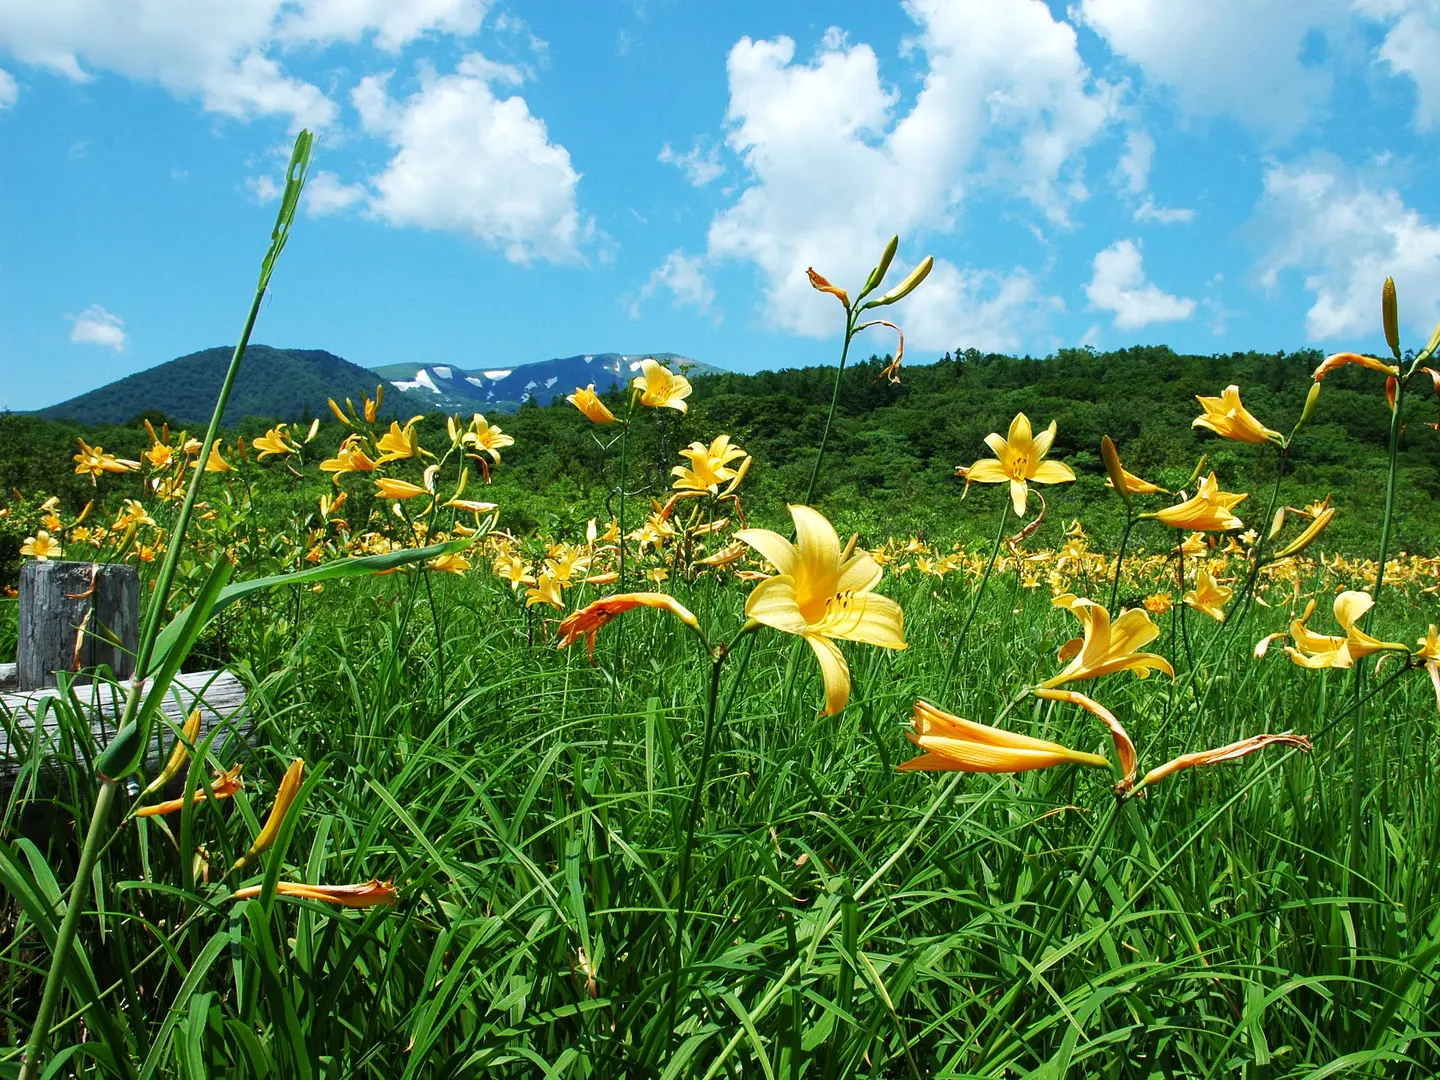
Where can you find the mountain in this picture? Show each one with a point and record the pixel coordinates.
(286, 384)
(446, 387)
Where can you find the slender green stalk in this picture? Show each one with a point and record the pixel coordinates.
(1257, 563)
(1392, 470)
(65, 937)
(1120, 556)
(830, 416)
(96, 835)
(691, 816)
(950, 668)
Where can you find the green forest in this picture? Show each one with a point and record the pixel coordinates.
(895, 447)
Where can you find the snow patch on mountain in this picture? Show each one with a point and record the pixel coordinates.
(443, 371)
(422, 379)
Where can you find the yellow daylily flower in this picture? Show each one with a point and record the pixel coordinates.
(1020, 458)
(1209, 596)
(284, 798)
(1107, 648)
(179, 754)
(132, 513)
(350, 457)
(709, 465)
(41, 546)
(275, 441)
(387, 487)
(1315, 651)
(588, 620)
(1119, 479)
(1225, 416)
(1158, 603)
(823, 594)
(216, 463)
(487, 437)
(952, 744)
(589, 403)
(1209, 510)
(1429, 645)
(398, 444)
(366, 894)
(546, 590)
(660, 387)
(92, 461)
(453, 563)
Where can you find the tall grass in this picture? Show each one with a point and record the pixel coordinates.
(844, 920)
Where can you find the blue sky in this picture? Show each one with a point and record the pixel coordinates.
(498, 183)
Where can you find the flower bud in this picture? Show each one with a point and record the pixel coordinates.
(1389, 312)
(906, 287)
(881, 268)
(1311, 400)
(1114, 468)
(284, 799)
(179, 754)
(1276, 524)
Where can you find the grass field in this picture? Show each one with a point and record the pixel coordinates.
(706, 848)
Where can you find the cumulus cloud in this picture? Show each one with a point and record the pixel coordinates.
(96, 326)
(1410, 47)
(325, 193)
(1118, 286)
(699, 164)
(1344, 235)
(470, 161)
(9, 90)
(833, 166)
(1132, 176)
(683, 276)
(222, 52)
(1243, 58)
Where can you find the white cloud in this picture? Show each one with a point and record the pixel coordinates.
(1118, 286)
(1345, 236)
(96, 326)
(699, 165)
(264, 188)
(9, 90)
(833, 170)
(1242, 58)
(1163, 215)
(470, 162)
(223, 52)
(683, 276)
(392, 24)
(325, 193)
(1410, 47)
(1134, 167)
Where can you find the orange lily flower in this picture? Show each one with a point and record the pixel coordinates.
(366, 894)
(588, 620)
(223, 785)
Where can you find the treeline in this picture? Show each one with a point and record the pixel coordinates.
(890, 466)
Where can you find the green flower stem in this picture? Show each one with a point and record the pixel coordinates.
(1120, 556)
(65, 937)
(850, 318)
(1258, 562)
(975, 604)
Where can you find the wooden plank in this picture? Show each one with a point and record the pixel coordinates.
(219, 696)
(8, 675)
(76, 616)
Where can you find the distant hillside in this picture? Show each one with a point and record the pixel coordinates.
(286, 384)
(446, 387)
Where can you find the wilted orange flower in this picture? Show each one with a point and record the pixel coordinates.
(1232, 752)
(1339, 360)
(588, 620)
(224, 786)
(367, 894)
(1226, 416)
(1124, 747)
(820, 283)
(953, 744)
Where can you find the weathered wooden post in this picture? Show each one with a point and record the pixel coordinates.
(76, 616)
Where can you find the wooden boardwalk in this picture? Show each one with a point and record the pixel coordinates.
(219, 696)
